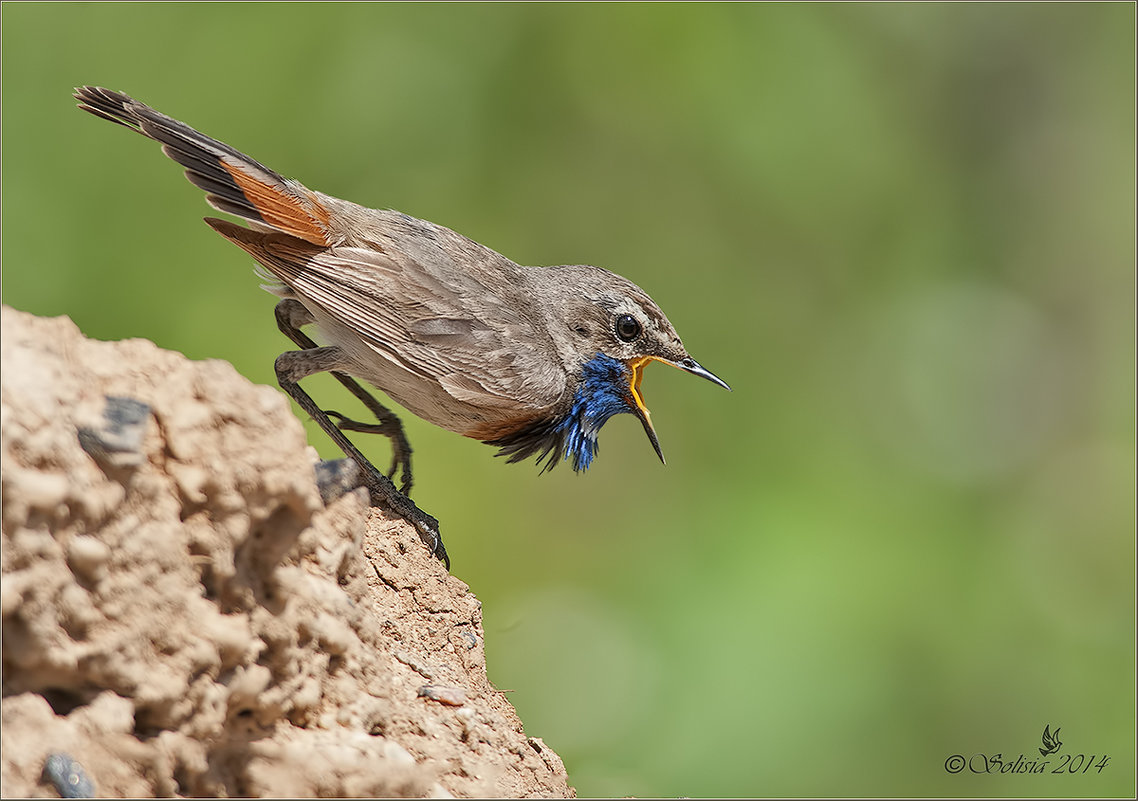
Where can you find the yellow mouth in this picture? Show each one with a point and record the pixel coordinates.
(637, 367)
(636, 375)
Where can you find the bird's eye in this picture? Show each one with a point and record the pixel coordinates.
(627, 328)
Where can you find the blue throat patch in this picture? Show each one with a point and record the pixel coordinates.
(603, 393)
(604, 390)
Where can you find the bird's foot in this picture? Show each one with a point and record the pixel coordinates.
(339, 476)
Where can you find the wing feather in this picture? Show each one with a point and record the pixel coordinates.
(476, 344)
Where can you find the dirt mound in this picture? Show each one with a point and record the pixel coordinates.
(183, 615)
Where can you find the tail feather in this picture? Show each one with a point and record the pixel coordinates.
(234, 182)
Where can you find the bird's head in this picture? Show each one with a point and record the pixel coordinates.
(607, 330)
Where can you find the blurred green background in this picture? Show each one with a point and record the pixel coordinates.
(903, 233)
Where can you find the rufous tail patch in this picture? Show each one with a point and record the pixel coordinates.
(281, 209)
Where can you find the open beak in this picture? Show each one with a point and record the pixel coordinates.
(687, 364)
(642, 410)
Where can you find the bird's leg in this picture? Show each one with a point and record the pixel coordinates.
(294, 365)
(291, 316)
(391, 428)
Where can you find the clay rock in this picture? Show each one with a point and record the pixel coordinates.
(182, 614)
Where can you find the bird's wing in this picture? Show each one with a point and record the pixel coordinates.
(445, 326)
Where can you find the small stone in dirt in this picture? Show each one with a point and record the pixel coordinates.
(336, 477)
(451, 696)
(67, 777)
(118, 441)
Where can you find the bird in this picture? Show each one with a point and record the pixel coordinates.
(530, 360)
(1051, 742)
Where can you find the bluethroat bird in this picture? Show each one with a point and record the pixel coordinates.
(531, 360)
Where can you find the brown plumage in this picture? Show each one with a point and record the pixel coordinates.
(532, 360)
